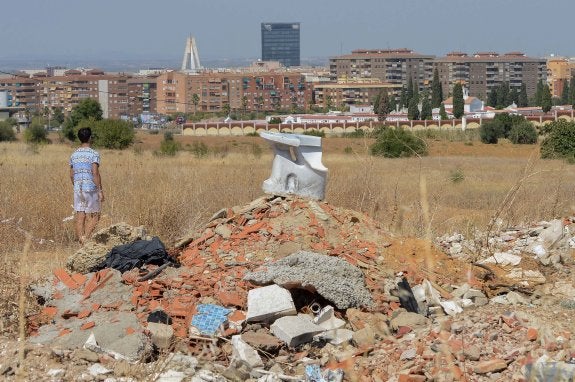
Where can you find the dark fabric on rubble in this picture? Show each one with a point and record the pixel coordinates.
(160, 317)
(136, 254)
(406, 298)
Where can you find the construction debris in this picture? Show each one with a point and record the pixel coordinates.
(290, 289)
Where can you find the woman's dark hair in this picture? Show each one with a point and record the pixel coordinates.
(84, 134)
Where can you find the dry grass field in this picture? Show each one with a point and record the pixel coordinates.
(459, 187)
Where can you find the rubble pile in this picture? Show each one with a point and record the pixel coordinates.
(287, 288)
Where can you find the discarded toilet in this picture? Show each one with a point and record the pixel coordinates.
(297, 167)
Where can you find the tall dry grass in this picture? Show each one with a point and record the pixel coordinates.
(170, 196)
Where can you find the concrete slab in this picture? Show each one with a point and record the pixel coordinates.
(268, 303)
(295, 330)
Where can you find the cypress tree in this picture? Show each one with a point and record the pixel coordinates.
(513, 96)
(403, 101)
(392, 103)
(522, 100)
(409, 91)
(436, 91)
(458, 102)
(539, 93)
(492, 98)
(426, 110)
(546, 101)
(413, 108)
(442, 112)
(572, 91)
(383, 105)
(565, 94)
(502, 95)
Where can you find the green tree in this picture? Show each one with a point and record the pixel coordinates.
(36, 133)
(403, 101)
(565, 94)
(546, 101)
(436, 90)
(442, 113)
(226, 109)
(426, 111)
(513, 96)
(522, 100)
(382, 105)
(491, 131)
(58, 116)
(560, 142)
(523, 133)
(110, 133)
(398, 143)
(572, 90)
(244, 105)
(492, 97)
(458, 103)
(87, 109)
(169, 146)
(195, 101)
(413, 108)
(539, 93)
(503, 95)
(409, 94)
(507, 122)
(7, 133)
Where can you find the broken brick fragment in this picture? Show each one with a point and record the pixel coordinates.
(88, 325)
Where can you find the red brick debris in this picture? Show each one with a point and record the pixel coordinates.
(240, 239)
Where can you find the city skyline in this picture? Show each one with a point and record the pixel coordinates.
(66, 30)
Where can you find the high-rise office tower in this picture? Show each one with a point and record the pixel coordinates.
(280, 42)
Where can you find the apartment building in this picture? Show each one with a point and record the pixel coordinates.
(483, 71)
(114, 92)
(558, 73)
(394, 66)
(142, 94)
(20, 91)
(215, 91)
(345, 93)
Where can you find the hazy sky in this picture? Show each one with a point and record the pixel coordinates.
(230, 29)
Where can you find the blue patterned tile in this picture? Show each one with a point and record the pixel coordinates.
(209, 318)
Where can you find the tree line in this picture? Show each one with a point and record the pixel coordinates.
(419, 105)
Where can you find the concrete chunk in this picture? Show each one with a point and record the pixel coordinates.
(269, 303)
(245, 353)
(161, 334)
(295, 330)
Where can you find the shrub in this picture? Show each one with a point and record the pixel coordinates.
(507, 122)
(491, 131)
(35, 134)
(348, 150)
(523, 133)
(169, 146)
(199, 149)
(6, 132)
(113, 133)
(560, 143)
(256, 150)
(457, 175)
(355, 134)
(275, 120)
(397, 143)
(314, 132)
